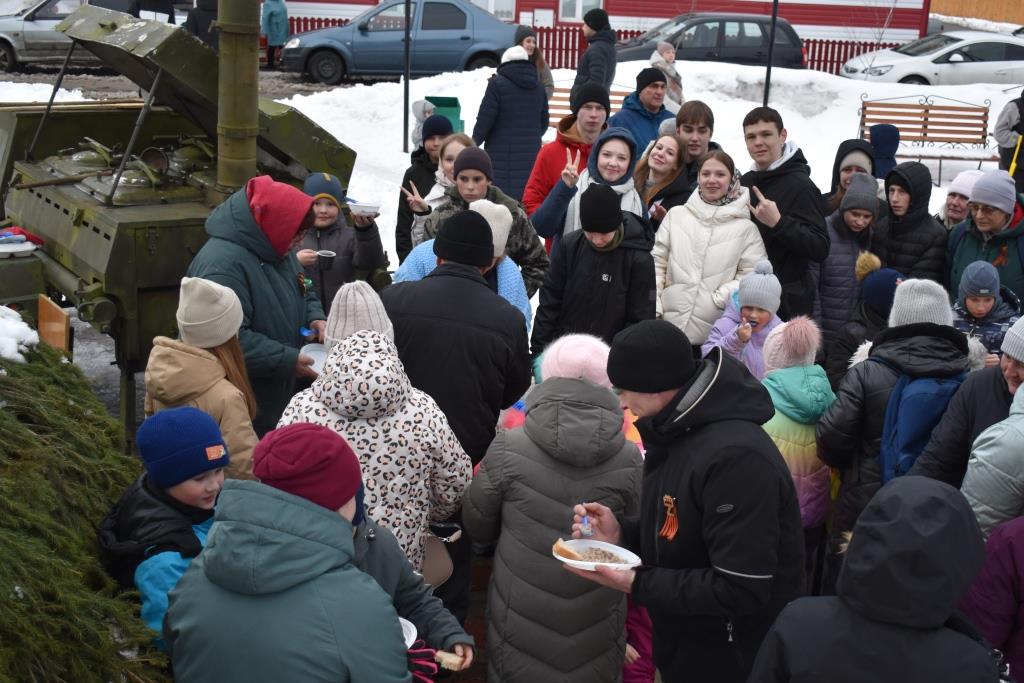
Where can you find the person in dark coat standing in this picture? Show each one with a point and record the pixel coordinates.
(920, 342)
(274, 25)
(981, 401)
(597, 65)
(601, 278)
(199, 22)
(644, 110)
(885, 140)
(786, 206)
(466, 347)
(914, 551)
(421, 176)
(721, 558)
(915, 243)
(512, 118)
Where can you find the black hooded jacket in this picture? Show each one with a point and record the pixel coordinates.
(845, 147)
(421, 173)
(914, 553)
(864, 326)
(915, 243)
(713, 590)
(597, 65)
(799, 237)
(199, 22)
(850, 431)
(596, 292)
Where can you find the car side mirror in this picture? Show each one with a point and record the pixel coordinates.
(364, 26)
(956, 58)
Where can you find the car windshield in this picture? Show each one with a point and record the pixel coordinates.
(927, 45)
(8, 7)
(663, 30)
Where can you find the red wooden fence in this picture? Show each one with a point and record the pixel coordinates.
(303, 24)
(830, 55)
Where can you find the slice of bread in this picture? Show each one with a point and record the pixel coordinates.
(448, 660)
(560, 548)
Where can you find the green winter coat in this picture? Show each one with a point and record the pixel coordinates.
(276, 596)
(239, 255)
(1000, 250)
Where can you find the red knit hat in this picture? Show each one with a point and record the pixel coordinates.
(278, 208)
(309, 461)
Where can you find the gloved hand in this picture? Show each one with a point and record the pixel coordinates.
(537, 378)
(421, 662)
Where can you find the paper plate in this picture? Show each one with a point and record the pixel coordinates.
(408, 632)
(364, 208)
(318, 352)
(580, 544)
(17, 249)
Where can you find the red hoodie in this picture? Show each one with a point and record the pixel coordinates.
(278, 208)
(547, 168)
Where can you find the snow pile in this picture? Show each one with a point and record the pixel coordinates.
(15, 335)
(975, 24)
(35, 92)
(820, 111)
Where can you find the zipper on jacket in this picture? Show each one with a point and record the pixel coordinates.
(728, 629)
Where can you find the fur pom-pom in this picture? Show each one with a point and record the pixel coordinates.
(867, 263)
(791, 344)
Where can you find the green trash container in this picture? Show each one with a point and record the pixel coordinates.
(449, 108)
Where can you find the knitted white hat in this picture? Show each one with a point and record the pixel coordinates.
(356, 307)
(761, 288)
(577, 356)
(920, 301)
(516, 53)
(500, 220)
(208, 314)
(964, 182)
(1013, 341)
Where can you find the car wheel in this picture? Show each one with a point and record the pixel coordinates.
(327, 67)
(914, 80)
(481, 62)
(8, 62)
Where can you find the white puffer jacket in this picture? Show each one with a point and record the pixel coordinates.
(414, 469)
(700, 253)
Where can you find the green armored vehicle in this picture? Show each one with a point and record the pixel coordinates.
(120, 191)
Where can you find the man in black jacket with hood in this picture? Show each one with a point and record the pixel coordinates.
(721, 556)
(597, 65)
(915, 243)
(786, 206)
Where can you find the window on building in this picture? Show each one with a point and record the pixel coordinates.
(503, 9)
(702, 35)
(573, 10)
(441, 16)
(390, 19)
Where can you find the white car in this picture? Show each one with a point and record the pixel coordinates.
(953, 58)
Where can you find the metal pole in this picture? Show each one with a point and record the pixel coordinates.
(49, 105)
(408, 72)
(146, 106)
(238, 83)
(771, 51)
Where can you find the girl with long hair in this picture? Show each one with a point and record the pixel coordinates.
(659, 177)
(526, 38)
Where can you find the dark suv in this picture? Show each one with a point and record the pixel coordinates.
(719, 37)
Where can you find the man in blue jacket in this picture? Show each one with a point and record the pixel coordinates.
(644, 110)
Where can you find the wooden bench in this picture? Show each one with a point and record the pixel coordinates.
(558, 105)
(932, 127)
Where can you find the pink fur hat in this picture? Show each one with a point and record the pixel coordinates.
(577, 356)
(792, 344)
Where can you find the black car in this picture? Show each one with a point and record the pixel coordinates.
(719, 37)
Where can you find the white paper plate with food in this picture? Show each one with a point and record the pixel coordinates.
(318, 352)
(364, 208)
(408, 632)
(586, 554)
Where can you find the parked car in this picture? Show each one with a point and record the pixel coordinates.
(719, 37)
(447, 35)
(951, 58)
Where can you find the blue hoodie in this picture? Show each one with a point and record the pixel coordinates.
(635, 118)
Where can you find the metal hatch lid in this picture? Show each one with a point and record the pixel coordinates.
(139, 48)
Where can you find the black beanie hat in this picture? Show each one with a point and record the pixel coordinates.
(649, 357)
(436, 124)
(596, 19)
(590, 92)
(600, 209)
(522, 33)
(476, 159)
(465, 238)
(648, 76)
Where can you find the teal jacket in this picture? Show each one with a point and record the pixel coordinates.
(276, 596)
(239, 255)
(966, 245)
(274, 22)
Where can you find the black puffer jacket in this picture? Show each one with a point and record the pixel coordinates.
(597, 65)
(737, 558)
(914, 552)
(981, 401)
(850, 432)
(864, 326)
(199, 22)
(915, 243)
(421, 173)
(596, 292)
(512, 118)
(462, 344)
(845, 147)
(674, 194)
(799, 237)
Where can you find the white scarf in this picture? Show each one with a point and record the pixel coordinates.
(630, 200)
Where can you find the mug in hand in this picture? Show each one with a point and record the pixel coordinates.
(325, 259)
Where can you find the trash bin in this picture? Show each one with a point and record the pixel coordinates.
(449, 108)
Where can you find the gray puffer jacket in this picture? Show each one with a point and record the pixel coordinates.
(836, 289)
(545, 624)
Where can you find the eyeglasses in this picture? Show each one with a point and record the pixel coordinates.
(982, 208)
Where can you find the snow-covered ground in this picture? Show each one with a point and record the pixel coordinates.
(820, 110)
(977, 24)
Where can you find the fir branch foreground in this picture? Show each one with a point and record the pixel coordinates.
(61, 617)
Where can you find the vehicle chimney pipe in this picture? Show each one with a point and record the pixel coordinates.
(237, 93)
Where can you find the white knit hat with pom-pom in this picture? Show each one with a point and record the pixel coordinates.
(792, 344)
(761, 288)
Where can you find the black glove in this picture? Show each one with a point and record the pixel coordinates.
(421, 662)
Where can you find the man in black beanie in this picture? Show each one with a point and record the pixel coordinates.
(466, 347)
(597, 65)
(719, 529)
(644, 109)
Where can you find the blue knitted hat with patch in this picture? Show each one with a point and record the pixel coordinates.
(325, 186)
(180, 443)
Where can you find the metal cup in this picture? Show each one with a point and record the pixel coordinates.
(325, 259)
